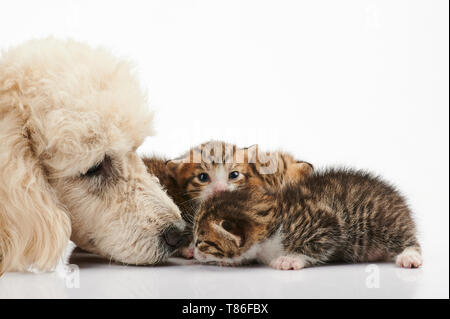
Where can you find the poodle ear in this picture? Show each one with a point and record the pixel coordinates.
(34, 228)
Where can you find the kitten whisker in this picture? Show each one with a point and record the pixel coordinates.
(189, 200)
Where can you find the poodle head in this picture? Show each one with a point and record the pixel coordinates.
(71, 119)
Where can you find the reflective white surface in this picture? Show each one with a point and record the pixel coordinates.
(97, 278)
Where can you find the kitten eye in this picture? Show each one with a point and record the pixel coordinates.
(227, 225)
(203, 177)
(233, 175)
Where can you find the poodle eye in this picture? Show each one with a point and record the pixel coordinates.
(203, 177)
(94, 170)
(233, 175)
(103, 168)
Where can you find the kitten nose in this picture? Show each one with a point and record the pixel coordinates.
(219, 188)
(173, 237)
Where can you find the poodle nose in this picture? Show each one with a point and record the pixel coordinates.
(173, 237)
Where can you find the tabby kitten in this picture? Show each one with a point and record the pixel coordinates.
(336, 215)
(216, 166)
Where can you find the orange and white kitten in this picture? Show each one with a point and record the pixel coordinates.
(217, 166)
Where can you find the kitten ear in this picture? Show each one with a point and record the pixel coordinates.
(251, 146)
(300, 171)
(173, 165)
(251, 153)
(305, 167)
(235, 231)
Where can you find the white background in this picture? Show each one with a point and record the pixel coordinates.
(359, 83)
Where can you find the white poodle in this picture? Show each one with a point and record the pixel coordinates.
(71, 119)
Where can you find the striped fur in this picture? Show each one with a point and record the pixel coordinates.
(255, 170)
(218, 160)
(335, 215)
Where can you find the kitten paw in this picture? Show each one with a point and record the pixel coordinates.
(288, 263)
(187, 252)
(409, 258)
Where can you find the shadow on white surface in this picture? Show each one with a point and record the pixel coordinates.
(185, 279)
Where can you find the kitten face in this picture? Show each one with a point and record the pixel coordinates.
(229, 225)
(219, 239)
(211, 168)
(203, 180)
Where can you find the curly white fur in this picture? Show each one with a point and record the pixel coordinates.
(63, 107)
